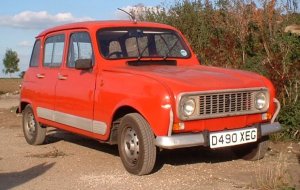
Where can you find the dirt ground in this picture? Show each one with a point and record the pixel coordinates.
(9, 85)
(67, 161)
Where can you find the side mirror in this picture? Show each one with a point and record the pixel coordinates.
(83, 64)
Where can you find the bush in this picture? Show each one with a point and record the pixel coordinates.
(243, 35)
(289, 117)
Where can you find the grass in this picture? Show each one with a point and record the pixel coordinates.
(273, 176)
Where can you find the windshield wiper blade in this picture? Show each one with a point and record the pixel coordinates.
(146, 47)
(170, 50)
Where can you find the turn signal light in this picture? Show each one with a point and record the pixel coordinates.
(178, 126)
(269, 116)
(266, 116)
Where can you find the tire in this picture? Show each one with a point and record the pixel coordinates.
(136, 144)
(253, 151)
(33, 132)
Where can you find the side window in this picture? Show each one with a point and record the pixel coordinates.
(80, 48)
(54, 50)
(34, 60)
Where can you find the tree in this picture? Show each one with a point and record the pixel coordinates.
(10, 62)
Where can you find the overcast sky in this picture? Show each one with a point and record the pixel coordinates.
(21, 21)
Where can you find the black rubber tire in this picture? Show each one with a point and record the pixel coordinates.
(33, 132)
(254, 151)
(136, 139)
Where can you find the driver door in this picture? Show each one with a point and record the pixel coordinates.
(75, 88)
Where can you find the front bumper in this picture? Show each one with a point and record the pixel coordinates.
(202, 139)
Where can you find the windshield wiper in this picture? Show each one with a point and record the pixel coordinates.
(149, 44)
(170, 50)
(146, 47)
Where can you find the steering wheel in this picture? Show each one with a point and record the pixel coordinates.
(118, 54)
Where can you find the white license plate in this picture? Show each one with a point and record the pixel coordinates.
(231, 138)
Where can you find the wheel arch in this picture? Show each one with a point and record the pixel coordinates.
(122, 111)
(22, 106)
(119, 113)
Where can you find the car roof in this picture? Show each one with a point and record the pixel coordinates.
(95, 25)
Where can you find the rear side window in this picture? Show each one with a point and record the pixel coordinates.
(80, 48)
(54, 50)
(34, 60)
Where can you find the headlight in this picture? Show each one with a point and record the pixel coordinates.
(260, 100)
(188, 107)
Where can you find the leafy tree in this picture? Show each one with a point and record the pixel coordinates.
(11, 62)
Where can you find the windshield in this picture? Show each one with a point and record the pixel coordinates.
(120, 43)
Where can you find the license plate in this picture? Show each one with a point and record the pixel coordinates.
(231, 138)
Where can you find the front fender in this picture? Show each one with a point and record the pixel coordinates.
(148, 96)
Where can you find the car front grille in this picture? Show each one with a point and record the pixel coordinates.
(223, 103)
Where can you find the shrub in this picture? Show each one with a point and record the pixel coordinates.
(290, 120)
(240, 34)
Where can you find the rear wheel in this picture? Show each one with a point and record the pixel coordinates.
(253, 151)
(136, 144)
(33, 132)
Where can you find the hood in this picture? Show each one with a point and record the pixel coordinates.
(197, 77)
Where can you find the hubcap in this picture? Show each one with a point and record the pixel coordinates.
(131, 145)
(30, 125)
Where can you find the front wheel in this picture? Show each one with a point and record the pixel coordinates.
(254, 151)
(136, 144)
(33, 132)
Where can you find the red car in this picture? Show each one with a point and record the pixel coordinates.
(139, 85)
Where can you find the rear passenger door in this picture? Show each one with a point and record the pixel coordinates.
(53, 53)
(75, 89)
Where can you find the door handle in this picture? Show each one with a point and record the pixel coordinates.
(40, 76)
(62, 77)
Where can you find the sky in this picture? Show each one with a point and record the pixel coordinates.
(21, 21)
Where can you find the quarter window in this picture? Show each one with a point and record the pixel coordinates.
(54, 50)
(34, 60)
(80, 48)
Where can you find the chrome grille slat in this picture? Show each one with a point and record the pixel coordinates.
(216, 104)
